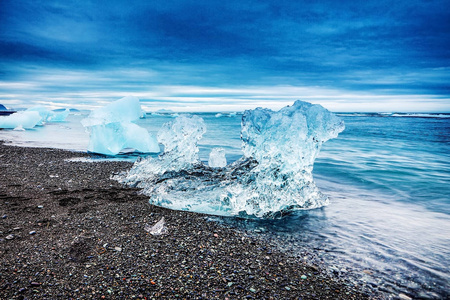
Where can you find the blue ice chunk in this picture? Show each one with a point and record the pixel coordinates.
(126, 109)
(49, 115)
(23, 119)
(111, 129)
(112, 138)
(273, 177)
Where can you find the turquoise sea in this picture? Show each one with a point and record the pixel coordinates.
(387, 227)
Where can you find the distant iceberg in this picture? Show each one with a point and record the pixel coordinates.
(20, 120)
(43, 112)
(273, 177)
(111, 129)
(217, 158)
(5, 111)
(33, 116)
(49, 115)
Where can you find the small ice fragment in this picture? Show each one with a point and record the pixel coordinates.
(19, 128)
(157, 229)
(217, 158)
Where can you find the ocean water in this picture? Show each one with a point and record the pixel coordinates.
(387, 227)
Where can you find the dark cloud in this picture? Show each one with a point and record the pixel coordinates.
(212, 43)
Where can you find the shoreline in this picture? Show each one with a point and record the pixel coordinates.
(69, 231)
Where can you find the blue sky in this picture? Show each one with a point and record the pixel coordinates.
(226, 55)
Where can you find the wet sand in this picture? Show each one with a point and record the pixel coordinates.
(67, 231)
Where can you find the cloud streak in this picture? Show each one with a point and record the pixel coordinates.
(83, 52)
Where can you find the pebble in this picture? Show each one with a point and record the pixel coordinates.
(9, 237)
(404, 297)
(4, 216)
(32, 232)
(40, 206)
(118, 249)
(252, 290)
(303, 277)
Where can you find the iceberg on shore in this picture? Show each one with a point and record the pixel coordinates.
(22, 119)
(111, 129)
(217, 158)
(273, 177)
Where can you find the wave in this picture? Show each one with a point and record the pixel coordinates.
(397, 115)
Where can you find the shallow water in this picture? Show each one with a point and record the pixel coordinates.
(388, 180)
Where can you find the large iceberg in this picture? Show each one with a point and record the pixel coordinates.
(23, 119)
(126, 109)
(273, 177)
(111, 129)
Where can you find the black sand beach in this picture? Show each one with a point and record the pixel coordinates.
(67, 231)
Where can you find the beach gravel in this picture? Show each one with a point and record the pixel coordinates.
(68, 231)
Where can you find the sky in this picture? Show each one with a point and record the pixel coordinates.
(374, 56)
